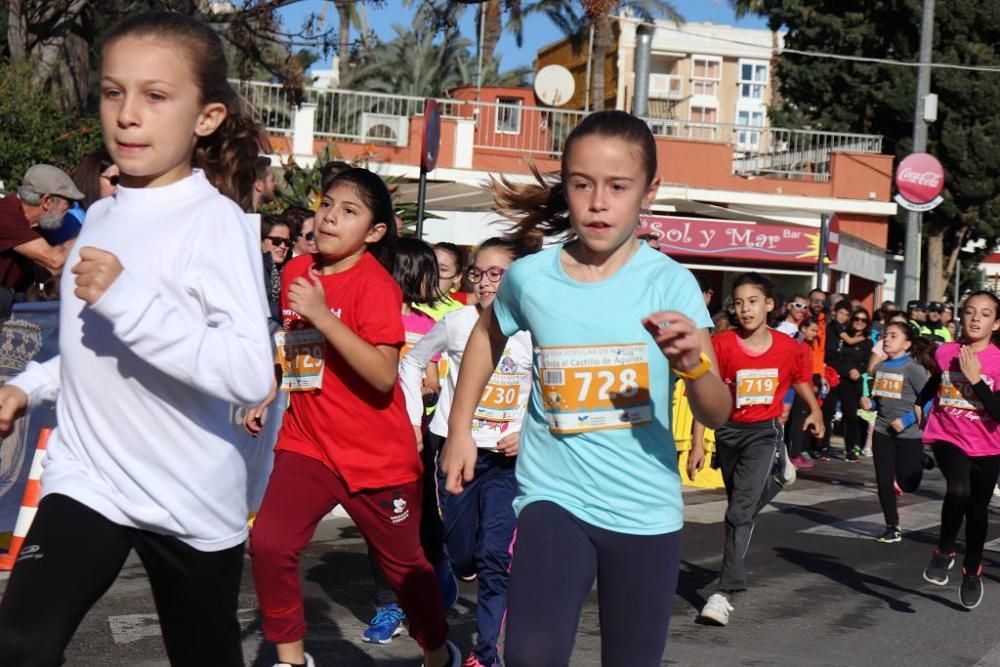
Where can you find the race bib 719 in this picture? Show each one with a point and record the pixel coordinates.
(756, 386)
(593, 388)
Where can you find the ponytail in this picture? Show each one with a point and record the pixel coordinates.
(536, 209)
(229, 156)
(922, 352)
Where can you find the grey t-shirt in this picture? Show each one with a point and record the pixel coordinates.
(897, 383)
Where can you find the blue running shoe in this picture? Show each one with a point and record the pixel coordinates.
(386, 624)
(447, 582)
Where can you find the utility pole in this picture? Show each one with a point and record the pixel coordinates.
(911, 248)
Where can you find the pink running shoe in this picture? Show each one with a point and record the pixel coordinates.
(895, 487)
(801, 462)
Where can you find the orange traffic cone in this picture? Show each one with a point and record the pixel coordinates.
(29, 504)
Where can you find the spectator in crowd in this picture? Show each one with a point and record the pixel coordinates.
(707, 292)
(795, 311)
(953, 329)
(96, 177)
(263, 185)
(889, 307)
(817, 309)
(848, 351)
(721, 322)
(939, 332)
(296, 218)
(916, 311)
(305, 241)
(276, 241)
(40, 204)
(947, 313)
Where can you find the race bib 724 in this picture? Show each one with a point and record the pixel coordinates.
(593, 388)
(956, 392)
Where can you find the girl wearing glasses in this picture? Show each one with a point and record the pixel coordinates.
(478, 523)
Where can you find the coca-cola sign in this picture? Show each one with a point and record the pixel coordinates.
(919, 181)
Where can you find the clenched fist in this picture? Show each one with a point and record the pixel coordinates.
(95, 272)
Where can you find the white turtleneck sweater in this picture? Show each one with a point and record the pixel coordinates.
(145, 377)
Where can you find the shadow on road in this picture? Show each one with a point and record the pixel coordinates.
(693, 578)
(841, 573)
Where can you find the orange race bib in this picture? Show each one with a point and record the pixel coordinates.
(300, 354)
(756, 386)
(956, 392)
(500, 398)
(888, 385)
(593, 388)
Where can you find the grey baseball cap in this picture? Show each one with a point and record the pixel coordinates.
(44, 179)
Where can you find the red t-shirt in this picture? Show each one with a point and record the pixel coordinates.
(759, 382)
(15, 230)
(358, 432)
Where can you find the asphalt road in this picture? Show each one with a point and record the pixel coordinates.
(823, 592)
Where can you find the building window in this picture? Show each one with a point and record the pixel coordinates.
(747, 139)
(508, 119)
(703, 115)
(705, 75)
(753, 79)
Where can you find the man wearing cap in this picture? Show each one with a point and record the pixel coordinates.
(939, 330)
(916, 311)
(43, 198)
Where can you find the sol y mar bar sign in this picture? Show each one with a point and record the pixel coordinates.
(727, 239)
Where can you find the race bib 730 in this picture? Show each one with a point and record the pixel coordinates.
(593, 388)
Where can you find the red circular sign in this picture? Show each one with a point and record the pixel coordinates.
(919, 178)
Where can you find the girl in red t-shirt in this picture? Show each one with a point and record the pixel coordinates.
(346, 438)
(758, 364)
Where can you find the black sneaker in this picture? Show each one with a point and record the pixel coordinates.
(937, 572)
(851, 457)
(928, 462)
(891, 534)
(971, 592)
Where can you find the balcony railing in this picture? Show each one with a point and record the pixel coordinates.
(365, 117)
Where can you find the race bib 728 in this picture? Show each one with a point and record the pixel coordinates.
(593, 388)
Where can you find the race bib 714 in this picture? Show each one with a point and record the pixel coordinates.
(593, 388)
(888, 385)
(300, 354)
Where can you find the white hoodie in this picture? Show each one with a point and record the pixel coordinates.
(145, 377)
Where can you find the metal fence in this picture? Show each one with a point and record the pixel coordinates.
(509, 127)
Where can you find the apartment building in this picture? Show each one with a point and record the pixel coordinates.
(702, 75)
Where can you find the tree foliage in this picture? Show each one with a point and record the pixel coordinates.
(33, 129)
(879, 98)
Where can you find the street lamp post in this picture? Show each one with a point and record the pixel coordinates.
(911, 247)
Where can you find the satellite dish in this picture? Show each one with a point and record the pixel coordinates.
(554, 85)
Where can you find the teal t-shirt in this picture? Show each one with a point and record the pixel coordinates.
(597, 438)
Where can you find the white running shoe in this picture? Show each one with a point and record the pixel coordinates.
(309, 662)
(717, 609)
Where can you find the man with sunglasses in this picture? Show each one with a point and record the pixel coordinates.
(795, 312)
(936, 324)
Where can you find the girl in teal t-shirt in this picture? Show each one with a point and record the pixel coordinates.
(610, 319)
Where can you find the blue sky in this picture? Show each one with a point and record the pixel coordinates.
(538, 30)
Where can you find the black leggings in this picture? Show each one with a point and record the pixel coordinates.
(556, 558)
(899, 459)
(71, 557)
(795, 437)
(971, 480)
